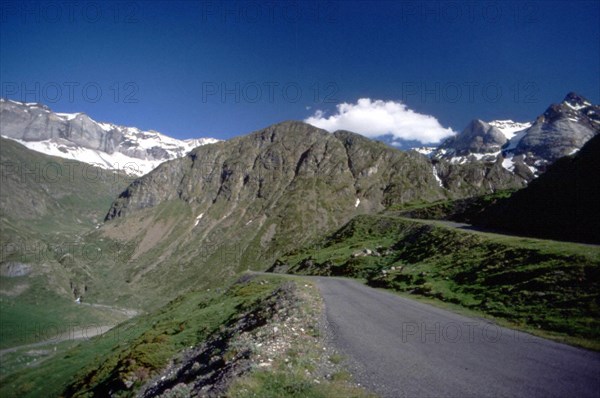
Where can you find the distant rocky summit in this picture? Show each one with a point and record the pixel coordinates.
(478, 137)
(526, 149)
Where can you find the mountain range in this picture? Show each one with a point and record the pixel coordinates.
(242, 202)
(76, 136)
(96, 245)
(525, 149)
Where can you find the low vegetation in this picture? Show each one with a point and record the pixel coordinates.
(46, 205)
(461, 210)
(260, 332)
(539, 285)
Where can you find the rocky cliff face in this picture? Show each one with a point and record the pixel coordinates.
(291, 161)
(78, 137)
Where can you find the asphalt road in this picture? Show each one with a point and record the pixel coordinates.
(402, 348)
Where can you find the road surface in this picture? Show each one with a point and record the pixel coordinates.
(398, 347)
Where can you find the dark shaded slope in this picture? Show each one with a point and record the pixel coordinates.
(561, 204)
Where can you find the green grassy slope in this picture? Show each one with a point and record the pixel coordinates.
(48, 197)
(532, 283)
(46, 205)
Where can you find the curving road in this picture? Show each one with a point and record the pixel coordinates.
(402, 348)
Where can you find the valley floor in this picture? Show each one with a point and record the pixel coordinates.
(84, 333)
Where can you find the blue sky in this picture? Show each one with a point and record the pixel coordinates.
(221, 69)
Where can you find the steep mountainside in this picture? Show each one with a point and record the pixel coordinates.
(46, 204)
(240, 203)
(561, 204)
(78, 137)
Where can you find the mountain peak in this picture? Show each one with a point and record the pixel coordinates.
(574, 107)
(478, 137)
(576, 101)
(561, 130)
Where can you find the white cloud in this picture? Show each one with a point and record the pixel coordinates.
(374, 118)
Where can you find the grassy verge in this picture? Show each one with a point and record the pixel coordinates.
(537, 285)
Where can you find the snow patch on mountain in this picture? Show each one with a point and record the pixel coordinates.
(509, 128)
(67, 116)
(577, 106)
(437, 178)
(514, 141)
(508, 164)
(426, 150)
(114, 161)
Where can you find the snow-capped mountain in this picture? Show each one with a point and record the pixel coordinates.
(478, 138)
(448, 148)
(483, 141)
(77, 136)
(526, 148)
(560, 131)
